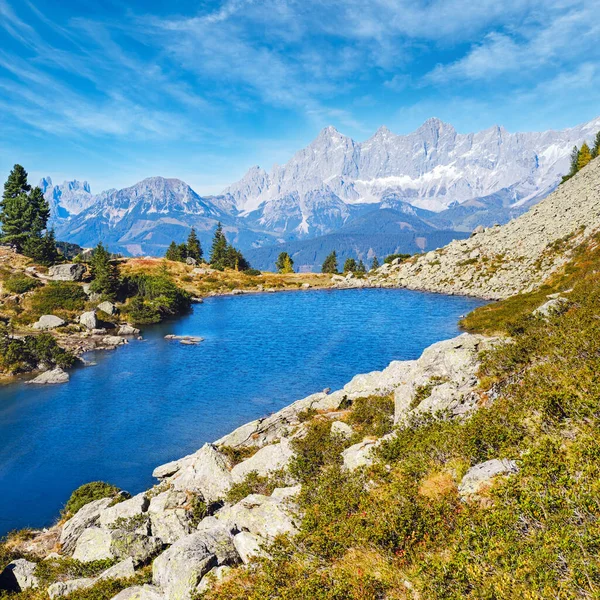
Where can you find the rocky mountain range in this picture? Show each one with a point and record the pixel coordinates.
(391, 193)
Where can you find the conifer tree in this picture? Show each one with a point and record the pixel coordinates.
(349, 265)
(584, 156)
(105, 273)
(375, 264)
(284, 263)
(182, 252)
(24, 211)
(172, 252)
(194, 249)
(330, 264)
(360, 267)
(596, 148)
(218, 251)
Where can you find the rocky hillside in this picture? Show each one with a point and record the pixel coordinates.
(498, 262)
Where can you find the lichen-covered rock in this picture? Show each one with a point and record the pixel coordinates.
(554, 306)
(205, 472)
(179, 569)
(216, 574)
(124, 510)
(264, 516)
(268, 459)
(88, 319)
(169, 520)
(141, 592)
(477, 478)
(107, 307)
(135, 545)
(46, 322)
(122, 570)
(64, 588)
(69, 272)
(128, 330)
(443, 379)
(248, 546)
(342, 429)
(85, 517)
(93, 544)
(359, 455)
(18, 576)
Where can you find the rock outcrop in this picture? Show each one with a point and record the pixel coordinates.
(46, 322)
(51, 377)
(69, 272)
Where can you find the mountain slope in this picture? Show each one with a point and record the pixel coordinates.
(516, 257)
(68, 199)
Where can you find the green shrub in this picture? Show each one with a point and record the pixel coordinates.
(255, 484)
(238, 454)
(88, 492)
(20, 284)
(59, 296)
(252, 272)
(373, 415)
(391, 257)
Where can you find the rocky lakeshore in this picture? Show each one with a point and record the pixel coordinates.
(190, 548)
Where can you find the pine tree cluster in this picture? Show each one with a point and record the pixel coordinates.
(284, 263)
(224, 256)
(580, 157)
(181, 252)
(24, 214)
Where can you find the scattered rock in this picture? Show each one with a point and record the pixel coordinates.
(85, 517)
(554, 306)
(140, 592)
(477, 478)
(248, 546)
(189, 340)
(137, 545)
(214, 575)
(359, 455)
(269, 458)
(478, 229)
(306, 286)
(191, 261)
(52, 377)
(107, 307)
(342, 429)
(64, 588)
(46, 322)
(69, 272)
(124, 510)
(237, 292)
(205, 472)
(179, 569)
(113, 340)
(122, 570)
(93, 544)
(127, 330)
(18, 576)
(169, 520)
(89, 320)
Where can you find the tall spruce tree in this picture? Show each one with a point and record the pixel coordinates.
(172, 252)
(105, 273)
(350, 265)
(375, 264)
(330, 264)
(218, 252)
(194, 249)
(24, 211)
(360, 267)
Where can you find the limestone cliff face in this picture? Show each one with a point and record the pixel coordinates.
(502, 261)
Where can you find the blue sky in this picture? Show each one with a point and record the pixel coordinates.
(118, 90)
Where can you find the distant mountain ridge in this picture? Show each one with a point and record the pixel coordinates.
(433, 179)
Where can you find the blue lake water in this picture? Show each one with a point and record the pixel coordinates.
(156, 400)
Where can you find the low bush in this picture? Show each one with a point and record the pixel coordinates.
(57, 297)
(372, 415)
(20, 284)
(88, 492)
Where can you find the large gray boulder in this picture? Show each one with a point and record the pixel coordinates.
(140, 592)
(269, 458)
(359, 455)
(54, 376)
(107, 307)
(64, 588)
(47, 322)
(248, 546)
(137, 545)
(169, 518)
(127, 509)
(554, 306)
(94, 544)
(265, 516)
(122, 570)
(205, 472)
(443, 379)
(85, 517)
(179, 569)
(88, 319)
(19, 575)
(69, 272)
(479, 477)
